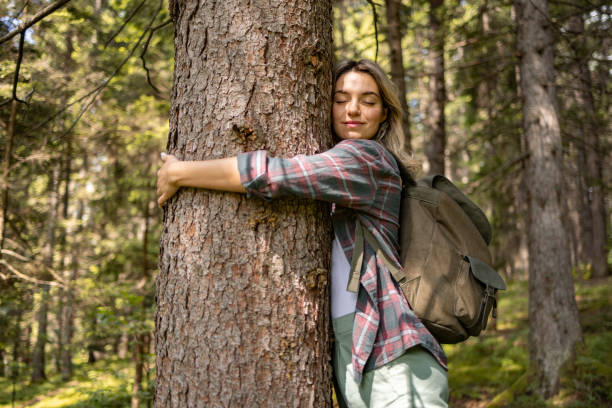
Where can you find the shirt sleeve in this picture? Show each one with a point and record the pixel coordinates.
(347, 174)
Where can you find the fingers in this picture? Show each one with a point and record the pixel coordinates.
(164, 189)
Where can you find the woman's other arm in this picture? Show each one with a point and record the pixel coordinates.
(218, 174)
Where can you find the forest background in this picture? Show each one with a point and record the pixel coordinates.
(84, 106)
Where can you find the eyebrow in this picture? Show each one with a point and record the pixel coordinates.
(340, 91)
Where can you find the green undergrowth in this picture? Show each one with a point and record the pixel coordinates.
(488, 371)
(492, 370)
(104, 384)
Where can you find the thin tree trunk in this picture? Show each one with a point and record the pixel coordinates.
(591, 165)
(68, 267)
(4, 185)
(3, 363)
(435, 119)
(553, 316)
(140, 342)
(123, 345)
(394, 38)
(138, 359)
(340, 21)
(93, 339)
(67, 366)
(16, 355)
(39, 353)
(8, 153)
(242, 299)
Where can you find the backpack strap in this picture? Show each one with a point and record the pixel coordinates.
(357, 260)
(479, 219)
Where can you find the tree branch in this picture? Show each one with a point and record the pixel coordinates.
(39, 16)
(26, 277)
(500, 171)
(375, 18)
(127, 20)
(144, 51)
(18, 67)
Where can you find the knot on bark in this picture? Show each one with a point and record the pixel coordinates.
(316, 279)
(244, 134)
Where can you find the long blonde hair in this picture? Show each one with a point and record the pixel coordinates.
(390, 133)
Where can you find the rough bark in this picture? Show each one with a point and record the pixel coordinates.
(394, 38)
(591, 163)
(435, 119)
(553, 316)
(242, 298)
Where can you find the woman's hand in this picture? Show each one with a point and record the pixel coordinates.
(166, 186)
(217, 174)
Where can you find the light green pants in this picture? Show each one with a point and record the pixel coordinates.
(413, 380)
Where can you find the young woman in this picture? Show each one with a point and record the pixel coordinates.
(383, 355)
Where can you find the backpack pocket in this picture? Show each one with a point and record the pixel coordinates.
(475, 289)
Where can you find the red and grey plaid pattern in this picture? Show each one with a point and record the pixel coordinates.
(361, 177)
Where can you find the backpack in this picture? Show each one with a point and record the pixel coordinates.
(446, 277)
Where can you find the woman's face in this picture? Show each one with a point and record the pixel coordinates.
(357, 110)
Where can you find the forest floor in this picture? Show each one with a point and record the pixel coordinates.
(491, 370)
(104, 384)
(488, 371)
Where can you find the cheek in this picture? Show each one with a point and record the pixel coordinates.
(337, 113)
(376, 116)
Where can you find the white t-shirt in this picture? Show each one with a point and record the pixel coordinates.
(343, 302)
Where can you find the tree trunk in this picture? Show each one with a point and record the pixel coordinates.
(394, 38)
(6, 168)
(3, 363)
(342, 49)
(68, 311)
(553, 316)
(435, 120)
(591, 168)
(38, 355)
(140, 339)
(138, 360)
(242, 298)
(93, 339)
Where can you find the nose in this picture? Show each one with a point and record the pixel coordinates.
(353, 108)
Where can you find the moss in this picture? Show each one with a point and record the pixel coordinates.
(490, 370)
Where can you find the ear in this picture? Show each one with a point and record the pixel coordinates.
(385, 111)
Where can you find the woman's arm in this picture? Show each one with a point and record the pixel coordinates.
(219, 174)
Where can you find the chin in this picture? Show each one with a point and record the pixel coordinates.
(352, 135)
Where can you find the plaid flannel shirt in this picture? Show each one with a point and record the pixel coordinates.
(361, 177)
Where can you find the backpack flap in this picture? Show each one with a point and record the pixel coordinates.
(485, 274)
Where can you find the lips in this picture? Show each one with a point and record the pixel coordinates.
(353, 123)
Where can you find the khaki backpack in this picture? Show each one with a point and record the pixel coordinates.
(446, 275)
